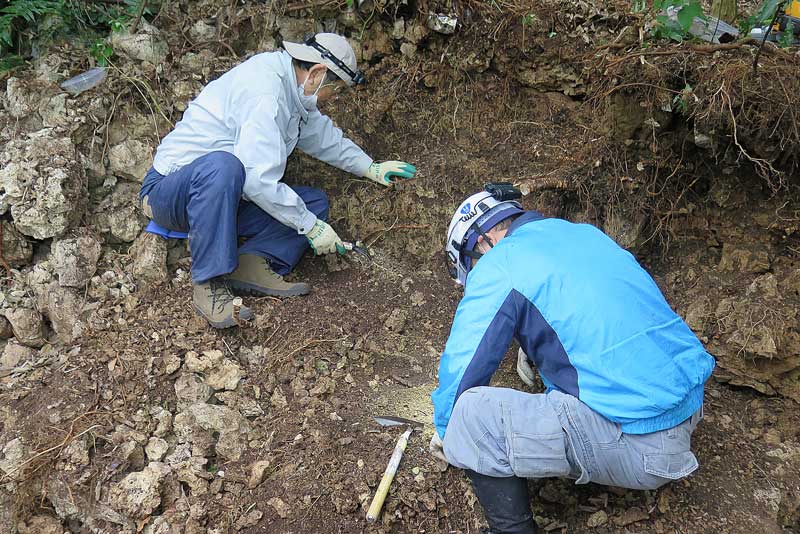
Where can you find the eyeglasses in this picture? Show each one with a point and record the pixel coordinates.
(357, 77)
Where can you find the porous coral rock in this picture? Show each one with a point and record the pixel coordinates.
(44, 184)
(130, 159)
(147, 44)
(119, 214)
(27, 325)
(75, 260)
(149, 253)
(17, 250)
(139, 494)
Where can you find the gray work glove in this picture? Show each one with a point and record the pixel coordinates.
(437, 447)
(524, 369)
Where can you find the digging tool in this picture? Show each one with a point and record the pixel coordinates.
(388, 475)
(357, 247)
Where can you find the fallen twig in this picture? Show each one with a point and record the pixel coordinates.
(138, 16)
(312, 343)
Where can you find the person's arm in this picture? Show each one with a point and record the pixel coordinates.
(262, 151)
(319, 138)
(482, 330)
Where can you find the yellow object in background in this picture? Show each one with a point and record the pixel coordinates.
(793, 9)
(791, 13)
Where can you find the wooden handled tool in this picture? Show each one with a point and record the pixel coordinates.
(394, 462)
(388, 475)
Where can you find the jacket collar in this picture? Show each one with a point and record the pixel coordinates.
(528, 216)
(290, 84)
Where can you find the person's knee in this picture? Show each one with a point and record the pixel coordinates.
(220, 170)
(475, 437)
(317, 201)
(472, 412)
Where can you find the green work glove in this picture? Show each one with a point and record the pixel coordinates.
(384, 172)
(324, 240)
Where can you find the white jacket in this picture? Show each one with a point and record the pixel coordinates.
(253, 111)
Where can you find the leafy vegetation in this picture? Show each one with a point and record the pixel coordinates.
(23, 22)
(26, 12)
(761, 17)
(673, 18)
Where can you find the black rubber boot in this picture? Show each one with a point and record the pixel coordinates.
(505, 502)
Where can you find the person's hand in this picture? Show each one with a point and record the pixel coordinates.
(436, 447)
(324, 240)
(383, 173)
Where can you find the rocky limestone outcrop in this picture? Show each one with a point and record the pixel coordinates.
(118, 215)
(200, 423)
(149, 253)
(63, 306)
(75, 260)
(139, 494)
(44, 186)
(147, 44)
(17, 249)
(27, 325)
(130, 159)
(220, 372)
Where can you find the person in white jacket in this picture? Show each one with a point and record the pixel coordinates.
(217, 175)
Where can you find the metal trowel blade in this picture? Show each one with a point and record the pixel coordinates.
(389, 420)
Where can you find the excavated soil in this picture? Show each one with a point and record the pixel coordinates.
(310, 373)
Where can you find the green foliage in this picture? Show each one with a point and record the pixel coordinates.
(761, 17)
(45, 20)
(787, 37)
(10, 62)
(682, 100)
(24, 12)
(666, 27)
(101, 51)
(529, 19)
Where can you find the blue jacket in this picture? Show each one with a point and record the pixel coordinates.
(589, 316)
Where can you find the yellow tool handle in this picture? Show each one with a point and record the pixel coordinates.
(388, 475)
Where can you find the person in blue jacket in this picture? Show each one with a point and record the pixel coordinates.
(218, 176)
(624, 374)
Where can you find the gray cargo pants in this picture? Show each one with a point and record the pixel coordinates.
(503, 432)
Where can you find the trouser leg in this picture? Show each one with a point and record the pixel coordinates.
(502, 437)
(505, 501)
(203, 198)
(281, 245)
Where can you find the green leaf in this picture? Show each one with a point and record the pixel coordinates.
(687, 14)
(767, 11)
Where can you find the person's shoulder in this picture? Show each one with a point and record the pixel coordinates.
(261, 74)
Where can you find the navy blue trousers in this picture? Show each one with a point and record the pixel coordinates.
(204, 199)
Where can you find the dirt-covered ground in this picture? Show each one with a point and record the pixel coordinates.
(124, 412)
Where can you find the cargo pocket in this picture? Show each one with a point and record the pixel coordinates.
(539, 455)
(672, 466)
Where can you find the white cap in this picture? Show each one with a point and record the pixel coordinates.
(338, 47)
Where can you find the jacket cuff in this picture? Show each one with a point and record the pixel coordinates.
(361, 165)
(307, 223)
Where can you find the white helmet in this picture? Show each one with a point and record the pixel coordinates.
(474, 217)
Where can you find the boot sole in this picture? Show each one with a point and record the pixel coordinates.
(227, 323)
(244, 289)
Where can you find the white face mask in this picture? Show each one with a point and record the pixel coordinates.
(309, 102)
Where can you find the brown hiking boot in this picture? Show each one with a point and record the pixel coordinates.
(213, 300)
(255, 277)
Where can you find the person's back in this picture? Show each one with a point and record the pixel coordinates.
(214, 117)
(624, 373)
(622, 350)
